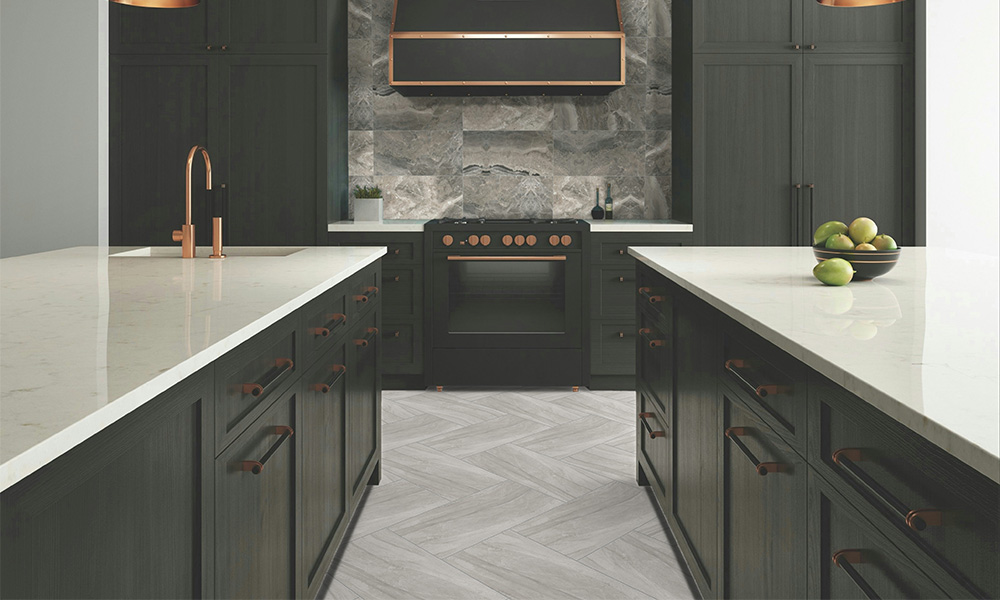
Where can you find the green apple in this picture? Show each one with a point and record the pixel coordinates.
(839, 242)
(824, 231)
(862, 230)
(834, 271)
(865, 247)
(884, 242)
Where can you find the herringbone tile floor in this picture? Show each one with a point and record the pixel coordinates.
(526, 494)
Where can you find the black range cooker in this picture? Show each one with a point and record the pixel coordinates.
(507, 302)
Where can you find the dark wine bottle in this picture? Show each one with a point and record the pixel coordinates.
(609, 206)
(597, 213)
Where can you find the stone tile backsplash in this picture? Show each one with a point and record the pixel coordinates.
(510, 157)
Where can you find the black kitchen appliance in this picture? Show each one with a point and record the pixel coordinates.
(507, 302)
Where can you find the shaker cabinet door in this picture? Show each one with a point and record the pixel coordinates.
(363, 403)
(741, 26)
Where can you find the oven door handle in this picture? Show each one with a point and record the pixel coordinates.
(511, 258)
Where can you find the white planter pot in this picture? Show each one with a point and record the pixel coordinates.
(368, 209)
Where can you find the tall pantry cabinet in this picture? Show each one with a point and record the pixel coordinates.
(789, 114)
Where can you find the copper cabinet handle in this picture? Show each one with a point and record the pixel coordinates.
(797, 47)
(644, 332)
(845, 559)
(621, 280)
(225, 47)
(338, 372)
(363, 342)
(761, 391)
(336, 320)
(811, 46)
(256, 466)
(367, 295)
(917, 520)
(394, 334)
(652, 434)
(208, 47)
(762, 468)
(646, 292)
(256, 389)
(395, 252)
(796, 217)
(396, 278)
(621, 334)
(621, 252)
(510, 258)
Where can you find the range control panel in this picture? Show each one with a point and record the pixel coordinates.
(506, 240)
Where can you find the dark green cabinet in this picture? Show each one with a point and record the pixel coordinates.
(363, 408)
(882, 29)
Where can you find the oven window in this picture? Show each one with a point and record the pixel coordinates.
(507, 296)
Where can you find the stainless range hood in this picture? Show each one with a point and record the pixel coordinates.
(495, 46)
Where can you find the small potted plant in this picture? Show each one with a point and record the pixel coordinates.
(367, 203)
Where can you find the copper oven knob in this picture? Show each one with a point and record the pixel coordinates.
(447, 240)
(519, 240)
(507, 240)
(531, 240)
(553, 240)
(485, 240)
(473, 240)
(567, 240)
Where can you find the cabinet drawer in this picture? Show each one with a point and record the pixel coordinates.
(250, 377)
(849, 555)
(324, 320)
(653, 441)
(401, 247)
(362, 292)
(402, 292)
(402, 348)
(772, 383)
(942, 506)
(612, 292)
(654, 346)
(613, 248)
(612, 347)
(652, 292)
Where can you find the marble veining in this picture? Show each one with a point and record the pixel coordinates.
(441, 152)
(498, 196)
(507, 153)
(70, 365)
(360, 153)
(920, 343)
(598, 152)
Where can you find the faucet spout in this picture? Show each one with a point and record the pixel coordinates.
(185, 235)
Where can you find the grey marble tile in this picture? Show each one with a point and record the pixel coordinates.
(359, 18)
(574, 196)
(644, 564)
(394, 111)
(575, 436)
(529, 406)
(636, 69)
(659, 110)
(427, 152)
(521, 568)
(385, 566)
(391, 503)
(480, 437)
(659, 195)
(635, 15)
(616, 153)
(507, 153)
(414, 429)
(381, 17)
(360, 111)
(420, 197)
(380, 67)
(540, 472)
(360, 153)
(579, 527)
(660, 13)
(597, 404)
(659, 152)
(445, 475)
(517, 113)
(660, 65)
(621, 109)
(607, 462)
(448, 529)
(506, 196)
(451, 407)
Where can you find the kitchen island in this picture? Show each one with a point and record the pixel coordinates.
(811, 441)
(185, 428)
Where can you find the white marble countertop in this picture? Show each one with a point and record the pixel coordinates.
(87, 337)
(614, 226)
(920, 343)
(386, 225)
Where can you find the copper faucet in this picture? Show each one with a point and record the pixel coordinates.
(185, 235)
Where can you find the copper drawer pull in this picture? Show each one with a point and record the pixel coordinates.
(652, 434)
(761, 391)
(394, 334)
(336, 320)
(554, 257)
(621, 280)
(363, 342)
(367, 295)
(917, 520)
(621, 252)
(338, 373)
(845, 559)
(396, 278)
(762, 468)
(256, 466)
(645, 292)
(395, 252)
(273, 374)
(621, 334)
(644, 332)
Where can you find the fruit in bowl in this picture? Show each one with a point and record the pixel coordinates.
(869, 253)
(862, 230)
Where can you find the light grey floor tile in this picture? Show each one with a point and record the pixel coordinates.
(624, 441)
(460, 524)
(338, 591)
(384, 565)
(391, 503)
(521, 568)
(642, 563)
(445, 475)
(531, 407)
(480, 437)
(609, 462)
(392, 395)
(581, 526)
(414, 429)
(576, 436)
(393, 411)
(653, 528)
(538, 471)
(599, 405)
(470, 393)
(451, 407)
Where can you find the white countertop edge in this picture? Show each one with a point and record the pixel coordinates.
(639, 226)
(36, 457)
(363, 226)
(969, 452)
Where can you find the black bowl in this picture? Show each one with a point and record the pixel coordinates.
(868, 264)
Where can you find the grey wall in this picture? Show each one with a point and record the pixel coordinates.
(513, 157)
(53, 124)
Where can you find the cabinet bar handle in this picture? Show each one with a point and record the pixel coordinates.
(363, 342)
(560, 257)
(396, 278)
(762, 468)
(812, 207)
(797, 47)
(367, 295)
(845, 559)
(394, 334)
(338, 372)
(796, 218)
(273, 374)
(811, 46)
(761, 391)
(256, 466)
(917, 520)
(336, 320)
(645, 425)
(644, 332)
(646, 293)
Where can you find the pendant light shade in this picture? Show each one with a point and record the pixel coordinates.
(159, 3)
(851, 3)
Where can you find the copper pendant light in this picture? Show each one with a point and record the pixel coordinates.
(852, 3)
(159, 3)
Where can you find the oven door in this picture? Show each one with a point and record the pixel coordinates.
(508, 301)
